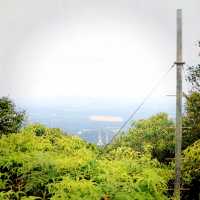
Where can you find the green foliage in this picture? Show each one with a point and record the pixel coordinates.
(10, 119)
(74, 189)
(157, 131)
(191, 170)
(191, 120)
(43, 163)
(191, 160)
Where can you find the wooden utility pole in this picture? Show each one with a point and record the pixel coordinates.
(179, 65)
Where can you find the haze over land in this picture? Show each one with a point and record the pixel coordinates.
(87, 116)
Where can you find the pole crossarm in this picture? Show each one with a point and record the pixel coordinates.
(179, 63)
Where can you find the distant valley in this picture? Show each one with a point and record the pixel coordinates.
(91, 118)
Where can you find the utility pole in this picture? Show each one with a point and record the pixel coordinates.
(179, 65)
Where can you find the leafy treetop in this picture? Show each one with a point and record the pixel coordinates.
(11, 120)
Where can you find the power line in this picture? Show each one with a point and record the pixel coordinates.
(143, 102)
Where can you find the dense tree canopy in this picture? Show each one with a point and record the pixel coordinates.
(55, 166)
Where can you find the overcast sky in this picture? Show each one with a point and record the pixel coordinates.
(92, 47)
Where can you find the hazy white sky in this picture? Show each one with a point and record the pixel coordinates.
(92, 47)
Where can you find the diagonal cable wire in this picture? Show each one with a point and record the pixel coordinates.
(143, 102)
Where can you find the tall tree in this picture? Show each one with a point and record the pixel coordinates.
(191, 135)
(191, 120)
(11, 120)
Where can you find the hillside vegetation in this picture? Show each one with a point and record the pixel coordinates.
(40, 163)
(43, 163)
